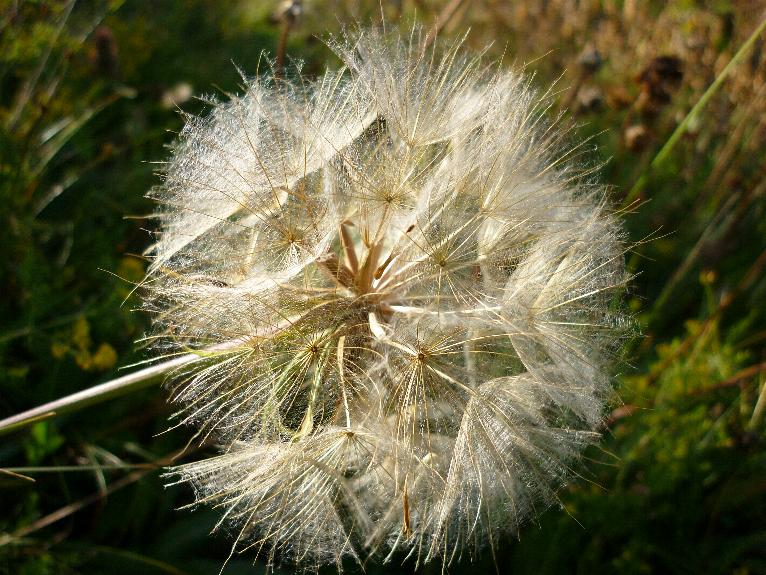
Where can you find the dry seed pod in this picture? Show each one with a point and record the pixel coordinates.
(404, 297)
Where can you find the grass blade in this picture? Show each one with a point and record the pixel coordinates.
(664, 152)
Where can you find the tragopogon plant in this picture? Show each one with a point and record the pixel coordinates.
(404, 297)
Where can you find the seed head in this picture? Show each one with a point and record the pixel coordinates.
(404, 296)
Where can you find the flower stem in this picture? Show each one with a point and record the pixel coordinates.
(96, 394)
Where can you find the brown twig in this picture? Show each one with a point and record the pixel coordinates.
(289, 16)
(441, 21)
(76, 506)
(733, 380)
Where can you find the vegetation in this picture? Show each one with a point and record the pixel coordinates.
(89, 95)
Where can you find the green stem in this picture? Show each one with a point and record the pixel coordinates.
(664, 152)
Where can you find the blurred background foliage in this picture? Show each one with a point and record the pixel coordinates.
(89, 95)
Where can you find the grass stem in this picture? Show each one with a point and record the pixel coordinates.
(667, 148)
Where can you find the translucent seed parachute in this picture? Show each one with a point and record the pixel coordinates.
(405, 299)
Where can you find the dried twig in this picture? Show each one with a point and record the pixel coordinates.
(441, 21)
(76, 506)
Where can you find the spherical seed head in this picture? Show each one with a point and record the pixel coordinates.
(404, 297)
